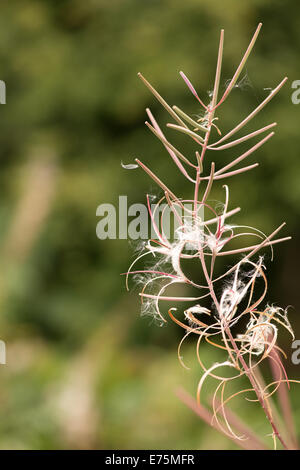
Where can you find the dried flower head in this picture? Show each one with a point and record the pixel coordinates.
(239, 292)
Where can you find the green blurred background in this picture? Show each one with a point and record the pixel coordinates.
(84, 370)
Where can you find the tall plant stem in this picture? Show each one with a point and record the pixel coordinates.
(284, 401)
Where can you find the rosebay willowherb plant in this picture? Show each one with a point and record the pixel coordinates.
(232, 298)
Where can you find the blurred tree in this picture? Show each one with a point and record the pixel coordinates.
(75, 109)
